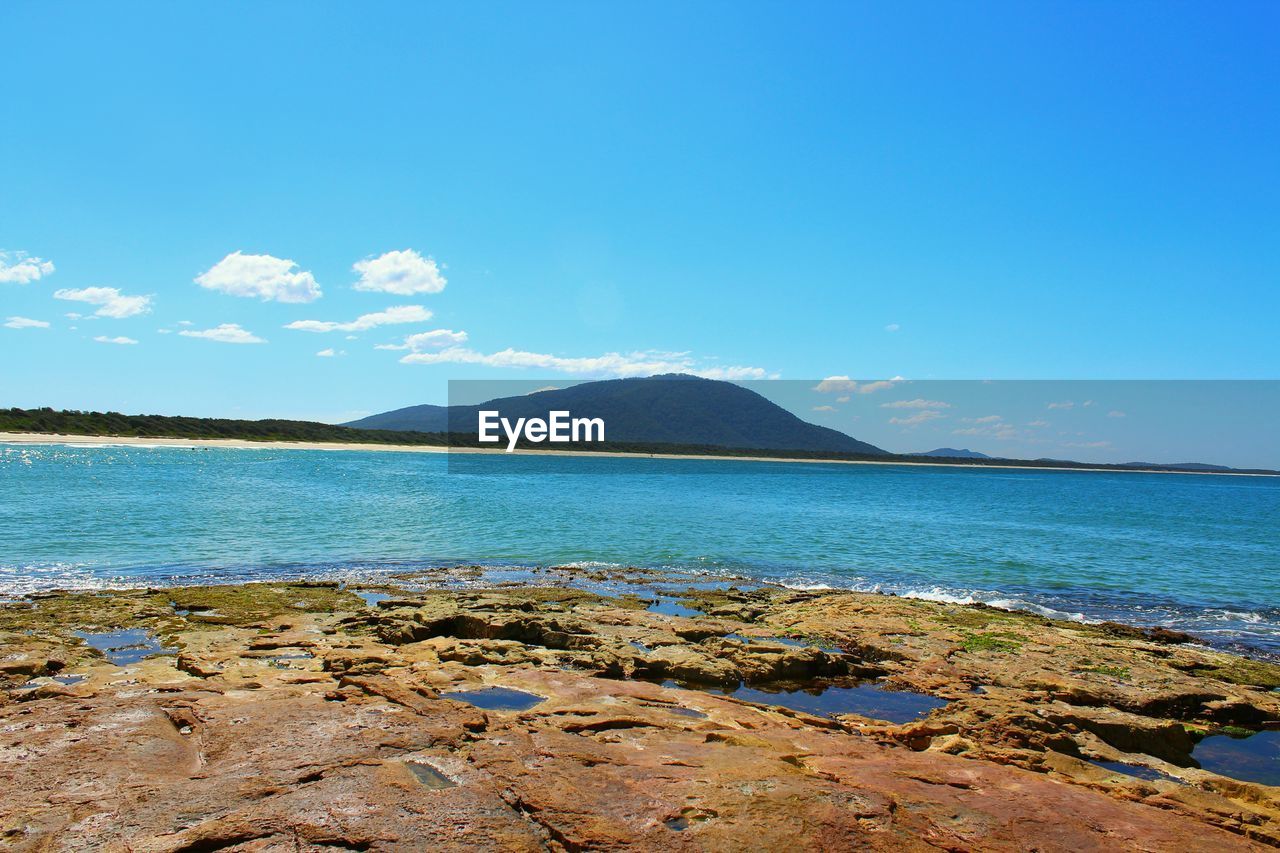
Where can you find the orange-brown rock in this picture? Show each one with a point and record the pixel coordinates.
(335, 725)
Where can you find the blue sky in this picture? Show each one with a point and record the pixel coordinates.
(937, 191)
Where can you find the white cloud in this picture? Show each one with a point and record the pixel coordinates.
(1037, 423)
(227, 333)
(262, 276)
(915, 404)
(1065, 404)
(330, 352)
(185, 323)
(1116, 413)
(21, 268)
(645, 363)
(845, 385)
(1087, 403)
(1003, 432)
(836, 385)
(918, 418)
(1086, 444)
(122, 340)
(434, 339)
(985, 419)
(403, 272)
(824, 408)
(843, 399)
(24, 323)
(391, 316)
(892, 327)
(110, 301)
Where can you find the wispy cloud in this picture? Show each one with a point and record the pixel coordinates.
(1037, 424)
(1116, 413)
(433, 340)
(24, 323)
(643, 363)
(915, 404)
(892, 327)
(260, 276)
(121, 340)
(403, 272)
(1065, 404)
(110, 301)
(1086, 444)
(824, 408)
(227, 333)
(330, 352)
(918, 418)
(394, 315)
(845, 385)
(21, 268)
(993, 426)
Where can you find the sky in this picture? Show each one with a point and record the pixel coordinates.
(321, 210)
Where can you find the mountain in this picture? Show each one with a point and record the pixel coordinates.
(952, 453)
(667, 409)
(424, 418)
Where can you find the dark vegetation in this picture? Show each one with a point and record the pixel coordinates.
(165, 426)
(108, 424)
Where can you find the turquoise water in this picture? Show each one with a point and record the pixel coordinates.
(1194, 552)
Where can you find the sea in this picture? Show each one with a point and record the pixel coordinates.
(1198, 553)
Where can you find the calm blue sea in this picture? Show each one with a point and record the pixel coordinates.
(1201, 553)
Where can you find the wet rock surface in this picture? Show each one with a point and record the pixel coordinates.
(577, 715)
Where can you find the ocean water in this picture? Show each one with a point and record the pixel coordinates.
(1199, 553)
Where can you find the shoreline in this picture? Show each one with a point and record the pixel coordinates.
(23, 439)
(535, 576)
(714, 715)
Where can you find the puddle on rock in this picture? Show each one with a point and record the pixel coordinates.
(371, 598)
(867, 700)
(496, 698)
(1137, 771)
(125, 646)
(833, 699)
(801, 643)
(429, 776)
(682, 711)
(282, 661)
(668, 606)
(67, 680)
(1255, 758)
(639, 645)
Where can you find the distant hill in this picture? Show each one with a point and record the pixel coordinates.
(1181, 466)
(668, 409)
(952, 453)
(424, 418)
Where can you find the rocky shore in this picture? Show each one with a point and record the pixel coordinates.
(614, 710)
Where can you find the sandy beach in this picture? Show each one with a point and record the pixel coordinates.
(240, 444)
